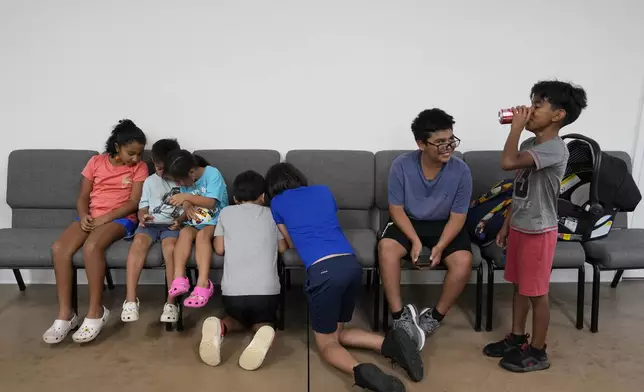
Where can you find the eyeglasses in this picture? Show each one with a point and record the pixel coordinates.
(446, 146)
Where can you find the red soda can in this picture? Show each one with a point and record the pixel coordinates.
(505, 116)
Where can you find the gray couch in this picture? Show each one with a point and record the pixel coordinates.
(43, 185)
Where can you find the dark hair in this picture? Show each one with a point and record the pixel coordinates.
(429, 121)
(161, 149)
(178, 163)
(561, 95)
(283, 176)
(248, 186)
(125, 132)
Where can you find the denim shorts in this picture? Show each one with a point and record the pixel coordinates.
(129, 225)
(332, 287)
(157, 233)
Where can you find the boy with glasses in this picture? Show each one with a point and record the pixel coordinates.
(429, 195)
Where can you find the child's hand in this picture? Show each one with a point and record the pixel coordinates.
(191, 214)
(435, 257)
(175, 225)
(521, 115)
(179, 199)
(502, 237)
(145, 218)
(86, 223)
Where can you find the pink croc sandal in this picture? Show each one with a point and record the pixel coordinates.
(199, 296)
(179, 286)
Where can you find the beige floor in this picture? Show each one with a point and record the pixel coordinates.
(144, 357)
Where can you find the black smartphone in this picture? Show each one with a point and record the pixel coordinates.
(424, 261)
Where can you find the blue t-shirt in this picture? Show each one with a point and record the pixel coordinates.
(450, 191)
(212, 185)
(309, 214)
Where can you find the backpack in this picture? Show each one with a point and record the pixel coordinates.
(486, 214)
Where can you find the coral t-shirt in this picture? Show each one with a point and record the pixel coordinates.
(112, 184)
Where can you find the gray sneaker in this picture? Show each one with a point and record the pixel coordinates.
(426, 322)
(408, 322)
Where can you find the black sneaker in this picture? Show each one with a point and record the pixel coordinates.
(509, 343)
(369, 376)
(525, 359)
(399, 347)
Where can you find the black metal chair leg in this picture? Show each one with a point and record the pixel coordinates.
(385, 311)
(282, 305)
(369, 279)
(479, 298)
(75, 290)
(18, 276)
(288, 279)
(108, 277)
(179, 300)
(581, 280)
(594, 313)
(168, 326)
(490, 296)
(376, 300)
(616, 279)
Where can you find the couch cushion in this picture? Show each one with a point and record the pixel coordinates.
(622, 249)
(24, 248)
(486, 170)
(567, 255)
(56, 172)
(232, 162)
(116, 255)
(363, 242)
(349, 174)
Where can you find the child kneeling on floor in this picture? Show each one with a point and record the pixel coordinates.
(249, 240)
(307, 217)
(158, 221)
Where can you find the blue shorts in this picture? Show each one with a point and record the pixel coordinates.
(157, 233)
(332, 287)
(126, 223)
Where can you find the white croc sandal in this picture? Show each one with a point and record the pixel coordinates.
(90, 328)
(211, 339)
(170, 313)
(130, 311)
(253, 356)
(59, 330)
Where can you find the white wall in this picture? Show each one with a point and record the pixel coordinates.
(297, 74)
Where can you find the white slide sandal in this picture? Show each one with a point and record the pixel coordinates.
(59, 330)
(90, 328)
(210, 346)
(253, 356)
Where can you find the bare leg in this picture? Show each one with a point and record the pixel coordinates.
(459, 270)
(182, 250)
(62, 251)
(256, 327)
(135, 261)
(389, 254)
(203, 246)
(355, 337)
(333, 352)
(94, 256)
(167, 248)
(520, 308)
(540, 320)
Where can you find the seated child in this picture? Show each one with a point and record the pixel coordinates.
(306, 216)
(203, 195)
(110, 191)
(158, 221)
(248, 238)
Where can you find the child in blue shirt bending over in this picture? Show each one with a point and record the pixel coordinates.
(306, 217)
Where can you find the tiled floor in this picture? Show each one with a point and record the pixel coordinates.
(144, 357)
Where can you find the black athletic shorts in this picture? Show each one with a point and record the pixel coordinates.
(249, 310)
(429, 233)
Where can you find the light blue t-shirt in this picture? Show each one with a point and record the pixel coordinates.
(212, 185)
(156, 193)
(423, 199)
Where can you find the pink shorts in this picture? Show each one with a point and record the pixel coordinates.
(528, 261)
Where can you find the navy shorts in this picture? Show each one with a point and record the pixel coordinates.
(127, 224)
(332, 287)
(157, 233)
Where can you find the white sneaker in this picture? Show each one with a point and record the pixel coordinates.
(90, 328)
(130, 311)
(170, 313)
(59, 330)
(211, 339)
(253, 356)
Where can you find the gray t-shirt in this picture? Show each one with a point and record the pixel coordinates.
(250, 245)
(536, 190)
(155, 195)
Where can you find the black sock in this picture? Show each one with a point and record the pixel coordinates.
(518, 339)
(538, 352)
(396, 315)
(437, 316)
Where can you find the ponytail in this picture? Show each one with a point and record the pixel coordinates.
(125, 132)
